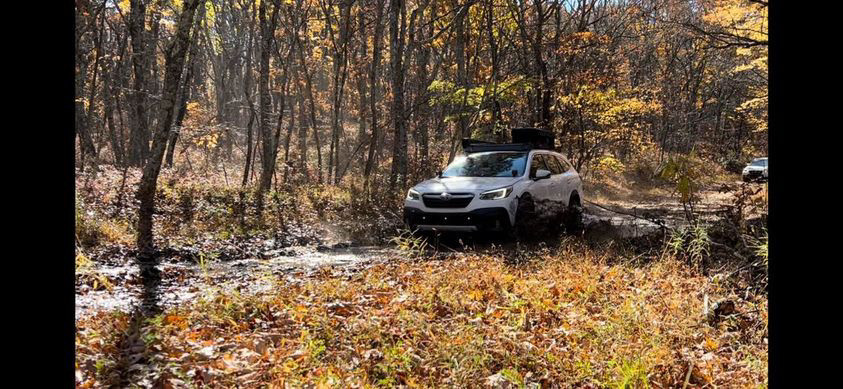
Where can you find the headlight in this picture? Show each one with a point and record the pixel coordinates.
(413, 195)
(496, 194)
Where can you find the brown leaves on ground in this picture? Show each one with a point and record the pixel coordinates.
(564, 318)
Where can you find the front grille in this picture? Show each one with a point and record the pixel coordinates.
(457, 200)
(753, 173)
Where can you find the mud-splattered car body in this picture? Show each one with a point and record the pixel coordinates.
(493, 191)
(755, 171)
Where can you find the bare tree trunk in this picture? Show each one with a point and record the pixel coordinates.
(340, 73)
(247, 91)
(543, 95)
(82, 51)
(265, 103)
(152, 81)
(111, 102)
(399, 152)
(462, 78)
(312, 103)
(374, 144)
(175, 57)
(416, 61)
(184, 96)
(290, 128)
(138, 118)
(108, 118)
(302, 136)
(93, 90)
(361, 82)
(497, 132)
(313, 124)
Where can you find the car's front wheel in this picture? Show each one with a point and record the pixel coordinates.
(572, 219)
(525, 214)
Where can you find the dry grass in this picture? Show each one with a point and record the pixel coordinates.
(571, 318)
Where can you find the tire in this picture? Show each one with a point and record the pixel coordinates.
(572, 219)
(524, 214)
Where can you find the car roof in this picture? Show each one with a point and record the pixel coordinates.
(530, 152)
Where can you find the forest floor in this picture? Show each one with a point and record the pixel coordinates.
(314, 304)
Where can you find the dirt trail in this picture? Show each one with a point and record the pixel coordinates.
(178, 281)
(660, 204)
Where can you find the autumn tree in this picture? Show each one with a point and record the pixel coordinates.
(175, 57)
(375, 93)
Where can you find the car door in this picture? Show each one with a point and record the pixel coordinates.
(569, 179)
(539, 189)
(557, 184)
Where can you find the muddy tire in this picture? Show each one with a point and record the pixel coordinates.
(524, 215)
(572, 217)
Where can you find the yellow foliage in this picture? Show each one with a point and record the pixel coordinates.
(740, 17)
(608, 165)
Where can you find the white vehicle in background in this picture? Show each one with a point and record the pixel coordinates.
(499, 187)
(756, 170)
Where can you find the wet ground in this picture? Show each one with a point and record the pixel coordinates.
(177, 282)
(173, 282)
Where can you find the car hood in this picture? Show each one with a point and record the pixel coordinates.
(464, 184)
(754, 168)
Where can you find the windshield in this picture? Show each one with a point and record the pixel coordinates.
(491, 164)
(759, 162)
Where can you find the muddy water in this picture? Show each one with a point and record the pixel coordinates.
(599, 228)
(650, 219)
(181, 282)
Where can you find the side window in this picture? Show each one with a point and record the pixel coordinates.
(538, 163)
(554, 164)
(565, 165)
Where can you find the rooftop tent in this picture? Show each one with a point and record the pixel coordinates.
(538, 138)
(523, 139)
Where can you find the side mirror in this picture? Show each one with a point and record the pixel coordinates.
(542, 174)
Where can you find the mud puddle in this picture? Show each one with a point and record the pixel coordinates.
(178, 282)
(629, 221)
(601, 227)
(181, 282)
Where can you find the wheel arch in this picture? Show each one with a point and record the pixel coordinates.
(575, 194)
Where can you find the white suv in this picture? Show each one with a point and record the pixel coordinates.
(756, 170)
(495, 187)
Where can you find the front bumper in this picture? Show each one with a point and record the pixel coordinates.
(480, 219)
(753, 175)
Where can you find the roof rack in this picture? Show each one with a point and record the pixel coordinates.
(524, 139)
(475, 146)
